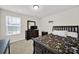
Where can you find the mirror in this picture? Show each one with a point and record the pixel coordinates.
(30, 23)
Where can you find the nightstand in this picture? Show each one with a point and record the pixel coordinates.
(44, 33)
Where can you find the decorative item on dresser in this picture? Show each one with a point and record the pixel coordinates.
(54, 44)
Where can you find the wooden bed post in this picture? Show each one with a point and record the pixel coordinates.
(78, 32)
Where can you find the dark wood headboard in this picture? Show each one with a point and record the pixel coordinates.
(67, 28)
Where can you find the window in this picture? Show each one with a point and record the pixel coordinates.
(13, 25)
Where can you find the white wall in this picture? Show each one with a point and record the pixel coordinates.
(69, 17)
(24, 19)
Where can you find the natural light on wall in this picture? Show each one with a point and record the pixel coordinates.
(13, 25)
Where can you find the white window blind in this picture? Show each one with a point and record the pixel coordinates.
(13, 25)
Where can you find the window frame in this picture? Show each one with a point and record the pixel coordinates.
(7, 31)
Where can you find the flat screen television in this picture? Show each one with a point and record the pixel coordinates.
(33, 27)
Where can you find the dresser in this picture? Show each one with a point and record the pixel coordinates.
(31, 33)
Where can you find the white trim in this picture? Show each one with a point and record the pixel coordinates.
(18, 25)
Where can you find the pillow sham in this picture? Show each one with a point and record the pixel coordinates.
(60, 33)
(72, 34)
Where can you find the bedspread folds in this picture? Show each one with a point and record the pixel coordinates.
(58, 44)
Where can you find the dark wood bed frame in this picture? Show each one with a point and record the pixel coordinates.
(67, 28)
(46, 51)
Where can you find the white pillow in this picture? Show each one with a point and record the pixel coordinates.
(60, 33)
(72, 34)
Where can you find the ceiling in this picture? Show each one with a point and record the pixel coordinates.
(44, 10)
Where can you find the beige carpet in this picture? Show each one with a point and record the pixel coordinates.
(22, 47)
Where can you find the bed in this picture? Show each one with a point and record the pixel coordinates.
(57, 44)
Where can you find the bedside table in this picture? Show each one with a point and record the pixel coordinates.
(44, 33)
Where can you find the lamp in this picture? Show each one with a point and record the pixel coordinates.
(35, 7)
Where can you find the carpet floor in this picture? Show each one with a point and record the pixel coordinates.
(22, 47)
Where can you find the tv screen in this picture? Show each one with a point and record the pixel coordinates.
(33, 27)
